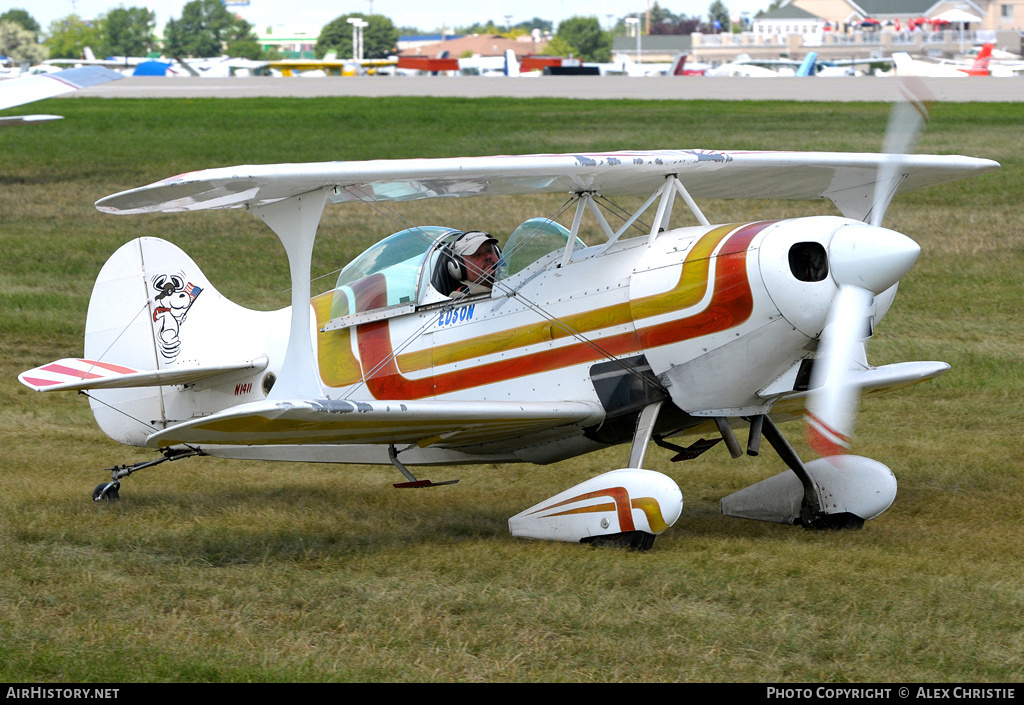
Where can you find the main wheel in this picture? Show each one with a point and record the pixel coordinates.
(843, 521)
(631, 540)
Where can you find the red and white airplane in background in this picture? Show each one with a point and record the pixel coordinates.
(983, 65)
(661, 332)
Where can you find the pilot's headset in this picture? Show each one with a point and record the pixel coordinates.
(467, 244)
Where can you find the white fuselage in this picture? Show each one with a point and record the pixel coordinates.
(715, 318)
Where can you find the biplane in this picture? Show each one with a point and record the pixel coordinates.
(681, 335)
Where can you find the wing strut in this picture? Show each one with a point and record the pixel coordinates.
(581, 207)
(668, 191)
(697, 212)
(413, 482)
(295, 220)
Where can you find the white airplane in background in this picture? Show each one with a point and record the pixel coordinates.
(906, 65)
(124, 64)
(809, 66)
(224, 66)
(28, 89)
(432, 350)
(624, 64)
(742, 68)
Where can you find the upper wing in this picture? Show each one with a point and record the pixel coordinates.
(846, 178)
(27, 89)
(327, 421)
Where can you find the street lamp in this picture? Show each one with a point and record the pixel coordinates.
(634, 23)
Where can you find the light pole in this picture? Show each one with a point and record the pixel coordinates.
(357, 36)
(634, 22)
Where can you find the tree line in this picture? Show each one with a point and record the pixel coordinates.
(206, 28)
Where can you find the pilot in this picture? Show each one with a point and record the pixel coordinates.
(471, 261)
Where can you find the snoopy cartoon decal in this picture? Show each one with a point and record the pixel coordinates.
(173, 303)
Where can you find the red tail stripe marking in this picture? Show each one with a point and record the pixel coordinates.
(69, 371)
(36, 382)
(110, 366)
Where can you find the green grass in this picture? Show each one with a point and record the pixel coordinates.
(212, 570)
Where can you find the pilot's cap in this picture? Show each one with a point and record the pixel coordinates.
(469, 243)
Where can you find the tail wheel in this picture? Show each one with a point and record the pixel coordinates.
(107, 492)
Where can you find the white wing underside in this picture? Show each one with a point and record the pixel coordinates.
(847, 179)
(421, 423)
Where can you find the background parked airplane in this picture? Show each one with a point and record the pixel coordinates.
(28, 89)
(907, 65)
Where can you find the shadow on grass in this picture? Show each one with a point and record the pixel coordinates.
(258, 524)
(321, 522)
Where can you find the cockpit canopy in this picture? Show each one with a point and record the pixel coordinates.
(398, 270)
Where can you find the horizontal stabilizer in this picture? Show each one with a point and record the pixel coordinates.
(74, 374)
(23, 119)
(421, 422)
(882, 379)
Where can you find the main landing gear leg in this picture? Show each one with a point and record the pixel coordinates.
(811, 513)
(642, 436)
(109, 491)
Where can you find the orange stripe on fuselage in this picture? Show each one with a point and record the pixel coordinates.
(730, 305)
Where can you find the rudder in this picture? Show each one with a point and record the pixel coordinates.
(152, 308)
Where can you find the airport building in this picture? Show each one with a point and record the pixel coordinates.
(844, 29)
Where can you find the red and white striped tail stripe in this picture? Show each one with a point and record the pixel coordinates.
(70, 370)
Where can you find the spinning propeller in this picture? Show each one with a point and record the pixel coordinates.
(866, 261)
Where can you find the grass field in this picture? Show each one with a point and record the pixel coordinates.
(213, 570)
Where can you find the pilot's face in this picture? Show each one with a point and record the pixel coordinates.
(480, 265)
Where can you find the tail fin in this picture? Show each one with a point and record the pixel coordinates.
(152, 309)
(806, 67)
(511, 63)
(903, 64)
(980, 67)
(678, 67)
